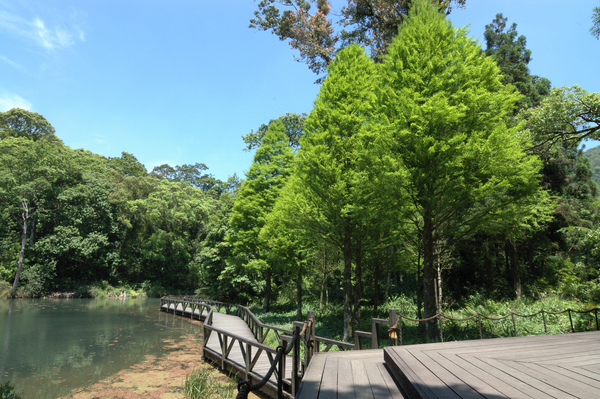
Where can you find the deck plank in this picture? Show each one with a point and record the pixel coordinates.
(562, 366)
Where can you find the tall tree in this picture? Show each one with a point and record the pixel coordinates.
(371, 23)
(327, 184)
(443, 106)
(31, 176)
(512, 56)
(256, 198)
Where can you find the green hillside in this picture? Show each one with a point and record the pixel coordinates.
(593, 155)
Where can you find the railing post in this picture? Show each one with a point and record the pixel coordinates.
(309, 340)
(441, 328)
(544, 319)
(571, 320)
(296, 360)
(400, 328)
(512, 315)
(479, 322)
(375, 335)
(596, 313)
(393, 328)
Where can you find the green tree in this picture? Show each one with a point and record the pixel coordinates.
(256, 198)
(326, 189)
(512, 56)
(371, 23)
(193, 174)
(568, 114)
(166, 228)
(212, 258)
(127, 165)
(31, 176)
(444, 106)
(294, 129)
(18, 122)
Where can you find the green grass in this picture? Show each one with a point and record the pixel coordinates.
(329, 322)
(203, 384)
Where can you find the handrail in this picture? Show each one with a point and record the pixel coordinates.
(512, 315)
(244, 386)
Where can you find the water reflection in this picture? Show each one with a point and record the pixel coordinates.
(52, 346)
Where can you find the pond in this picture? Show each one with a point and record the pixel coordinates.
(51, 346)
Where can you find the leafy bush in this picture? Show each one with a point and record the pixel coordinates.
(7, 391)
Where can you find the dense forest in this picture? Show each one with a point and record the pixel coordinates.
(428, 167)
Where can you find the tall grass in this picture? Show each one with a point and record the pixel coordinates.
(203, 384)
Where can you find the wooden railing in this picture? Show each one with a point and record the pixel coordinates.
(392, 322)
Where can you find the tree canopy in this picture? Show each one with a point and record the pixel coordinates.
(370, 23)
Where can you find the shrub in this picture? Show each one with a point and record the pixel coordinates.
(7, 391)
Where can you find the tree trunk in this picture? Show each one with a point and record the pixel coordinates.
(516, 273)
(267, 298)
(429, 276)
(299, 295)
(376, 289)
(358, 289)
(347, 286)
(13, 292)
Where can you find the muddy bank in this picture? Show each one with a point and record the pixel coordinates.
(155, 377)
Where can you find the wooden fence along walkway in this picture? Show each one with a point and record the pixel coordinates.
(235, 342)
(559, 366)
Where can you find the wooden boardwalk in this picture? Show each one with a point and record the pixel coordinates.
(545, 367)
(548, 366)
(234, 362)
(237, 326)
(349, 375)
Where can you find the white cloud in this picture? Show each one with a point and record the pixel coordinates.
(40, 33)
(11, 63)
(9, 101)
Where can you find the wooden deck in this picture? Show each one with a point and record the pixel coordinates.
(350, 374)
(549, 366)
(234, 364)
(237, 326)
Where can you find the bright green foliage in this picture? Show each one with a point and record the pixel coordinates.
(193, 174)
(444, 105)
(294, 129)
(512, 56)
(32, 174)
(327, 192)
(215, 250)
(20, 123)
(128, 165)
(168, 224)
(256, 199)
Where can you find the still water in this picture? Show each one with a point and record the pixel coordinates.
(52, 346)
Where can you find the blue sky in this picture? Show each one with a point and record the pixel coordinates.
(180, 81)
